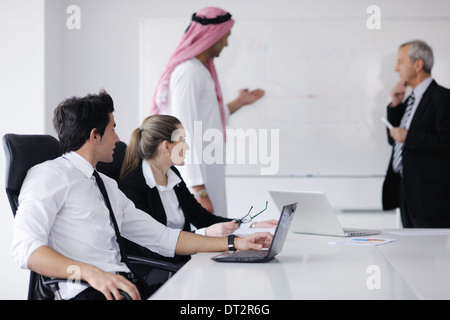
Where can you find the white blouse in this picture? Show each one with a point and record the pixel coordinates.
(174, 213)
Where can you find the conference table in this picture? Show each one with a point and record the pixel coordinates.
(415, 265)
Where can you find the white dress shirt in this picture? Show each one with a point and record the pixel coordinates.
(61, 206)
(192, 97)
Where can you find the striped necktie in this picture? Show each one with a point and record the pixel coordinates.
(397, 165)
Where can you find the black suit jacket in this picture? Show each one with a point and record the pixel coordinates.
(426, 157)
(148, 200)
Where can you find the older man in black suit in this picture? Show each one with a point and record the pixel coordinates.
(418, 176)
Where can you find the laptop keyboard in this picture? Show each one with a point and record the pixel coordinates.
(250, 253)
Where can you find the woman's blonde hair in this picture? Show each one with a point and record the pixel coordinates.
(145, 140)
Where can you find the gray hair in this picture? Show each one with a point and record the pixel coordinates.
(421, 50)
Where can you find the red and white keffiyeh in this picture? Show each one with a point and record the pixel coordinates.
(208, 25)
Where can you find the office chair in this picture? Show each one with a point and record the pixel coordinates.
(25, 151)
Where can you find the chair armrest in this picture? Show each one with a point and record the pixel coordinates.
(162, 265)
(53, 284)
(56, 281)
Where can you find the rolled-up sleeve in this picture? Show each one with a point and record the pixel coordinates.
(39, 201)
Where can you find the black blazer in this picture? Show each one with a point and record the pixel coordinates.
(426, 157)
(148, 200)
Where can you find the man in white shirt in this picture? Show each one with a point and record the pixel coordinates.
(189, 90)
(63, 224)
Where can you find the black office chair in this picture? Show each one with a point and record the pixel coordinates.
(23, 152)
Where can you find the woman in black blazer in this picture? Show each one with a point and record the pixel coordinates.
(151, 181)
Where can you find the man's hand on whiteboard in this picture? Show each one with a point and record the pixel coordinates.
(245, 97)
(398, 93)
(398, 134)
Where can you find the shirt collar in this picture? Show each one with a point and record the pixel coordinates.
(80, 163)
(420, 89)
(172, 178)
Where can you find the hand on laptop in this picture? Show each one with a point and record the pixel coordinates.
(255, 241)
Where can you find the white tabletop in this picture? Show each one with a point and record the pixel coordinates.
(415, 266)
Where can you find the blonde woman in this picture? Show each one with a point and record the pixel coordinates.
(151, 181)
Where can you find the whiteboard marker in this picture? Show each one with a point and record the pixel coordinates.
(387, 123)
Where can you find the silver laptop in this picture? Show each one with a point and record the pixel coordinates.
(279, 237)
(315, 214)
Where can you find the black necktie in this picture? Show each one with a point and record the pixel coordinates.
(102, 188)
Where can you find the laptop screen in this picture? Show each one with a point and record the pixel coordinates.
(282, 229)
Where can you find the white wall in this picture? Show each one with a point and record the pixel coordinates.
(22, 109)
(55, 19)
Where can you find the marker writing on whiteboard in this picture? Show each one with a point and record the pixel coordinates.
(387, 123)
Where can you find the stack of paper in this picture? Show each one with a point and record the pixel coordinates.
(362, 241)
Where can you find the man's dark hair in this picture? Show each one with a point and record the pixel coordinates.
(75, 117)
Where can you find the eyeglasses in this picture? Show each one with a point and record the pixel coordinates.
(247, 218)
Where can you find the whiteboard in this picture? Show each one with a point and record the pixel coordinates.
(327, 84)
